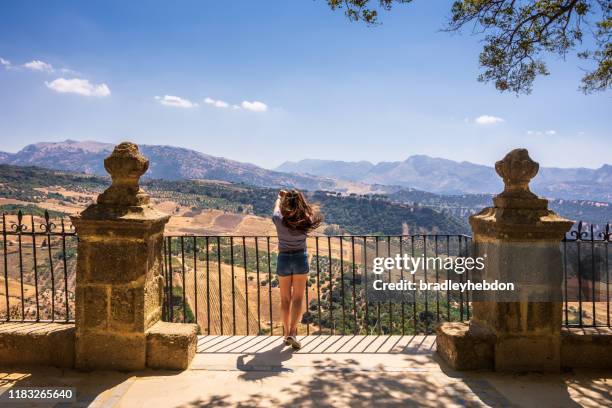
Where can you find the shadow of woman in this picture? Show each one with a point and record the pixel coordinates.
(266, 364)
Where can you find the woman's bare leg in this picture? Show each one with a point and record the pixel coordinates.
(285, 291)
(297, 297)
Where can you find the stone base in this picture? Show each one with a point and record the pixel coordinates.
(110, 351)
(171, 346)
(524, 353)
(464, 347)
(586, 348)
(50, 344)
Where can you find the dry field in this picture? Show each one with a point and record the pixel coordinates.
(20, 267)
(14, 290)
(599, 308)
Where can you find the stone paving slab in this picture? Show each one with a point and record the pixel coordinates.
(258, 371)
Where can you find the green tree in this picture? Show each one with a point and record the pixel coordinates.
(517, 34)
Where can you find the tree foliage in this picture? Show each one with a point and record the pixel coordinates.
(363, 10)
(518, 33)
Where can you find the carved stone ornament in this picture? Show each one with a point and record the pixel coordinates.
(517, 213)
(125, 165)
(517, 169)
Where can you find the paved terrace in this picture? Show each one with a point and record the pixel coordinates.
(355, 371)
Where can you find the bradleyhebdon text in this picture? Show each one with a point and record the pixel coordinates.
(468, 286)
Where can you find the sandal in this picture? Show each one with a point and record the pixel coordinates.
(293, 342)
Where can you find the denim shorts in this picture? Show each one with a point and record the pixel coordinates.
(292, 263)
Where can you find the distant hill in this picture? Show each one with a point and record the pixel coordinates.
(351, 171)
(392, 213)
(462, 206)
(350, 214)
(451, 177)
(167, 162)
(4, 156)
(419, 172)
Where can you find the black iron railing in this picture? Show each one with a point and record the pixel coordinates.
(228, 284)
(39, 261)
(586, 272)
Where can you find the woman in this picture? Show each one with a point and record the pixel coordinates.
(293, 218)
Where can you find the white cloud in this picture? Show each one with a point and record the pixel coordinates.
(5, 63)
(69, 71)
(488, 120)
(78, 86)
(175, 101)
(38, 65)
(255, 106)
(541, 132)
(216, 103)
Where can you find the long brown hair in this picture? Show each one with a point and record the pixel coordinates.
(297, 213)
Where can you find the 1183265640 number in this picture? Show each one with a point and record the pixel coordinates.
(48, 394)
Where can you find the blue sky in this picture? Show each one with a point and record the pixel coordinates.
(299, 81)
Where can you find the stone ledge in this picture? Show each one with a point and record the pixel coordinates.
(465, 347)
(587, 347)
(37, 344)
(171, 346)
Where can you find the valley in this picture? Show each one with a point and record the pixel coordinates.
(211, 282)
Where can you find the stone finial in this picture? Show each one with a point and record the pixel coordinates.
(517, 169)
(125, 165)
(517, 213)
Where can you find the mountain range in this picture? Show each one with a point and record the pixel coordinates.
(166, 162)
(419, 172)
(450, 177)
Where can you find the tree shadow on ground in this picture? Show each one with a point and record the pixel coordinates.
(333, 382)
(535, 389)
(593, 386)
(340, 380)
(347, 383)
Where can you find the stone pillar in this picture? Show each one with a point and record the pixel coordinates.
(519, 238)
(119, 281)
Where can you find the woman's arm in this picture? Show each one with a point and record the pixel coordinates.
(281, 194)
